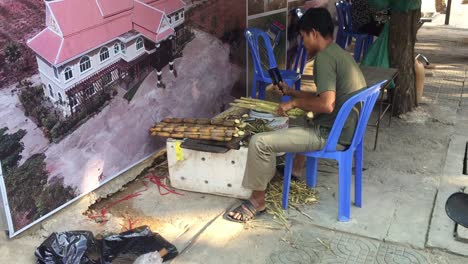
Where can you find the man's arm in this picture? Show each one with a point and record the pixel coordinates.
(286, 90)
(323, 103)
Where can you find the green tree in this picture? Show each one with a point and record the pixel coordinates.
(404, 25)
(10, 149)
(52, 196)
(24, 184)
(12, 52)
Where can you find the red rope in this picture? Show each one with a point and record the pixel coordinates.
(152, 178)
(158, 181)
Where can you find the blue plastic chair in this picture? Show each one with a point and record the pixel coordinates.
(301, 58)
(261, 78)
(301, 54)
(346, 32)
(344, 158)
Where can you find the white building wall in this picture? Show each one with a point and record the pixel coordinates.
(46, 70)
(96, 65)
(132, 52)
(174, 22)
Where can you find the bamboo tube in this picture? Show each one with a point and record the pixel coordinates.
(177, 135)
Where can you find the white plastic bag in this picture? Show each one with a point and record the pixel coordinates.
(149, 258)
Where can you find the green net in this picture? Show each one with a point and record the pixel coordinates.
(395, 5)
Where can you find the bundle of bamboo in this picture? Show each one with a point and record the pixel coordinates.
(199, 128)
(267, 107)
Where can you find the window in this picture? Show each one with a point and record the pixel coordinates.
(116, 48)
(182, 14)
(170, 19)
(51, 92)
(123, 48)
(56, 73)
(60, 98)
(68, 73)
(139, 43)
(104, 54)
(176, 16)
(85, 64)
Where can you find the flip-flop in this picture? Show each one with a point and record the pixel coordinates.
(247, 211)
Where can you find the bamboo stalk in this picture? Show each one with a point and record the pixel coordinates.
(259, 100)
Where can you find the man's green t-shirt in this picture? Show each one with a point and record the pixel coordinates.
(336, 70)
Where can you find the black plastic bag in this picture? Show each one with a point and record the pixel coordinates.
(80, 247)
(128, 246)
(75, 247)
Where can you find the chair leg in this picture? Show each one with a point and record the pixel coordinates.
(304, 60)
(297, 85)
(287, 178)
(344, 188)
(261, 91)
(349, 40)
(285, 99)
(311, 172)
(357, 49)
(358, 160)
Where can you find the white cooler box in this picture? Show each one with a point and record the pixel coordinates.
(205, 172)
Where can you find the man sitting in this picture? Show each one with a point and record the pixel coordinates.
(337, 77)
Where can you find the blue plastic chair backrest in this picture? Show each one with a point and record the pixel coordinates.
(343, 12)
(368, 97)
(253, 36)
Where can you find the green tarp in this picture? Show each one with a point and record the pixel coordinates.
(377, 55)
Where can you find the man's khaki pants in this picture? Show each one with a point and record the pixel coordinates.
(261, 158)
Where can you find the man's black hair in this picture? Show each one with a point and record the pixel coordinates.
(318, 19)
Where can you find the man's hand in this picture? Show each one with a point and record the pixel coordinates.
(283, 108)
(282, 89)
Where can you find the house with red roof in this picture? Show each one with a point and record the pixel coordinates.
(90, 44)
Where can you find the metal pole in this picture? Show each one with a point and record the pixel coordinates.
(447, 13)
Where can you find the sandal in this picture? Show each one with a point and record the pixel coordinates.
(247, 211)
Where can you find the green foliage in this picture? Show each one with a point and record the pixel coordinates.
(30, 194)
(24, 183)
(12, 52)
(10, 149)
(53, 195)
(92, 106)
(32, 99)
(34, 103)
(50, 120)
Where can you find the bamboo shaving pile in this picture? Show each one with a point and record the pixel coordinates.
(299, 194)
